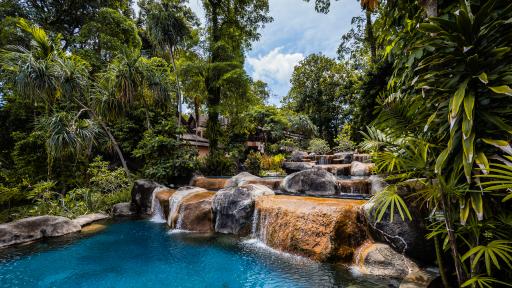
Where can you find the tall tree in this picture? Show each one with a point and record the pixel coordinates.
(231, 26)
(170, 24)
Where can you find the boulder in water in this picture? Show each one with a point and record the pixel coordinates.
(89, 218)
(310, 182)
(319, 228)
(381, 260)
(405, 236)
(345, 157)
(142, 196)
(208, 183)
(33, 228)
(292, 167)
(176, 200)
(240, 179)
(298, 156)
(233, 208)
(377, 184)
(122, 209)
(196, 213)
(361, 169)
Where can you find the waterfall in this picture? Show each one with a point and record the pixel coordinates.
(157, 210)
(254, 227)
(175, 203)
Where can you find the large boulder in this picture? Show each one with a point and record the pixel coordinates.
(208, 183)
(405, 236)
(142, 196)
(233, 208)
(377, 184)
(361, 169)
(196, 213)
(298, 156)
(292, 167)
(122, 209)
(319, 228)
(379, 259)
(89, 218)
(176, 200)
(310, 182)
(240, 179)
(33, 228)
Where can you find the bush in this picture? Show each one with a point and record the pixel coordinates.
(272, 163)
(319, 146)
(253, 163)
(217, 164)
(343, 140)
(105, 180)
(166, 159)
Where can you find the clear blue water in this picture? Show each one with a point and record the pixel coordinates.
(140, 253)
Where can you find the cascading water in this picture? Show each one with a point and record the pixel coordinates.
(157, 210)
(175, 203)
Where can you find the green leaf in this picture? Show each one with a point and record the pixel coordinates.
(429, 28)
(503, 89)
(441, 159)
(469, 104)
(458, 97)
(483, 78)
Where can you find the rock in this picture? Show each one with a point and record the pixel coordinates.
(361, 169)
(336, 169)
(240, 179)
(377, 184)
(418, 279)
(196, 213)
(122, 209)
(365, 158)
(208, 183)
(407, 236)
(93, 228)
(381, 260)
(345, 156)
(292, 167)
(354, 186)
(310, 182)
(298, 156)
(162, 198)
(272, 183)
(233, 208)
(89, 218)
(33, 228)
(319, 228)
(175, 202)
(142, 196)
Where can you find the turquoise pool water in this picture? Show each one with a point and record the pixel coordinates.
(140, 253)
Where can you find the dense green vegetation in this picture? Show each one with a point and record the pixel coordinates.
(92, 95)
(442, 114)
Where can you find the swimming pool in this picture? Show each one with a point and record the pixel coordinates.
(140, 253)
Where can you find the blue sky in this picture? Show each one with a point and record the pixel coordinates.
(297, 31)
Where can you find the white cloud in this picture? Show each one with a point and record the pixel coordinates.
(275, 65)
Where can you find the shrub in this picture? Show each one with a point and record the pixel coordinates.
(105, 180)
(319, 146)
(272, 163)
(253, 163)
(217, 164)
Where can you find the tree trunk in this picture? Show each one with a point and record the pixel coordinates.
(116, 147)
(178, 87)
(452, 239)
(214, 92)
(440, 264)
(370, 38)
(430, 7)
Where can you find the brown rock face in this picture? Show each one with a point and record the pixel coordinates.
(354, 186)
(208, 183)
(163, 197)
(336, 169)
(318, 228)
(196, 213)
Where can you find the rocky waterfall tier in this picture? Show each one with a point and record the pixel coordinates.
(321, 229)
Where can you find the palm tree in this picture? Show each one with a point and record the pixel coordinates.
(169, 24)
